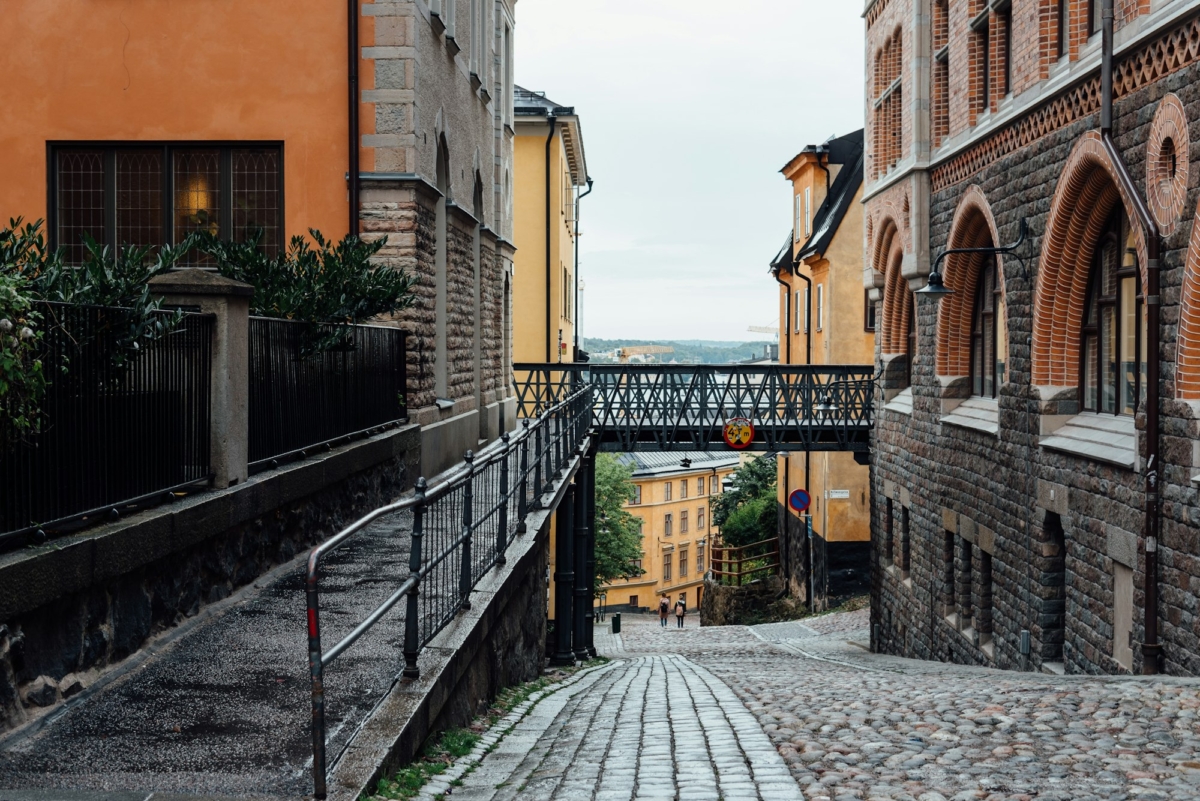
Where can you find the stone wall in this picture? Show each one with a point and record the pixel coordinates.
(92, 600)
(1052, 526)
(722, 605)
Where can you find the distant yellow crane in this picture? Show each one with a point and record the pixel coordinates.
(622, 355)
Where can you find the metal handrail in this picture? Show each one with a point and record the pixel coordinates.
(566, 423)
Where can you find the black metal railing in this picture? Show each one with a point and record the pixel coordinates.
(686, 407)
(461, 528)
(303, 396)
(119, 424)
(742, 565)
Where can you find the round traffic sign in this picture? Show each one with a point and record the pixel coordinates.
(799, 500)
(738, 433)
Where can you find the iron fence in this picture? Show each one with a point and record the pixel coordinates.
(303, 395)
(461, 528)
(742, 565)
(120, 424)
(685, 407)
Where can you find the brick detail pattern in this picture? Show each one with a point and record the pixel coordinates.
(1187, 358)
(876, 12)
(1158, 58)
(939, 100)
(1086, 195)
(897, 296)
(1167, 164)
(973, 227)
(888, 82)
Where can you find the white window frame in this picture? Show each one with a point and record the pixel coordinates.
(796, 225)
(820, 306)
(807, 211)
(807, 321)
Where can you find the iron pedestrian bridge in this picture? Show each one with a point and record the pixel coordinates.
(685, 407)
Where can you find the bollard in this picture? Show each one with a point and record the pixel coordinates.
(616, 623)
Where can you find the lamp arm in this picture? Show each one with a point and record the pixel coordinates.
(1023, 231)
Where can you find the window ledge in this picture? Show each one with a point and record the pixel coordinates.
(903, 402)
(979, 414)
(1102, 437)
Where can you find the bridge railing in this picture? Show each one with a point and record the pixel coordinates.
(737, 566)
(813, 407)
(461, 527)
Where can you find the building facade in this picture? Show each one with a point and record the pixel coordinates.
(1035, 451)
(825, 317)
(672, 503)
(398, 127)
(550, 170)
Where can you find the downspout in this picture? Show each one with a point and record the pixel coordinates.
(1151, 648)
(787, 299)
(581, 197)
(822, 154)
(549, 140)
(352, 53)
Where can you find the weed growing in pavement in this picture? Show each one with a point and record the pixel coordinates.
(453, 744)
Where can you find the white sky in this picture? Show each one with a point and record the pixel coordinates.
(689, 108)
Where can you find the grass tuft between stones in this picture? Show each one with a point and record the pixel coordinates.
(438, 755)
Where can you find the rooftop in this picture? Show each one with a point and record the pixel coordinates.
(660, 463)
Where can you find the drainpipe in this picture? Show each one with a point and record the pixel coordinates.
(352, 13)
(581, 197)
(1151, 648)
(549, 140)
(787, 299)
(822, 154)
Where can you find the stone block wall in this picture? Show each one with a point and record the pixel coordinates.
(92, 600)
(1055, 528)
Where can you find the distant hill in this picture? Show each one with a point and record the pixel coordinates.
(687, 351)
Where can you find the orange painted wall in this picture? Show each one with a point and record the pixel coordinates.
(180, 71)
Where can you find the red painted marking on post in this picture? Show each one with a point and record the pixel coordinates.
(312, 622)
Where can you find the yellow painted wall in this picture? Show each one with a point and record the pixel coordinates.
(529, 235)
(652, 511)
(841, 339)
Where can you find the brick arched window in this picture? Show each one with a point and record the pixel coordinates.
(1112, 336)
(1187, 359)
(972, 332)
(898, 332)
(1079, 228)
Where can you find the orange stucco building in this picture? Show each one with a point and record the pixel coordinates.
(138, 122)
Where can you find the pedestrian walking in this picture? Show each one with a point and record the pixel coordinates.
(664, 606)
(680, 611)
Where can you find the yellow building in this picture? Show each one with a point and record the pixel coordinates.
(550, 168)
(672, 502)
(826, 318)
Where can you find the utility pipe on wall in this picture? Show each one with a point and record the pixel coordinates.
(352, 116)
(575, 358)
(1151, 648)
(549, 140)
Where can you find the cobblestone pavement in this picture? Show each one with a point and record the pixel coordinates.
(847, 723)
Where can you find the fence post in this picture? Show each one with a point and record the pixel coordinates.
(317, 674)
(582, 591)
(412, 636)
(229, 387)
(464, 573)
(523, 493)
(560, 454)
(502, 524)
(564, 579)
(537, 469)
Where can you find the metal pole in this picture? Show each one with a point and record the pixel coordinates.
(412, 636)
(316, 671)
(464, 573)
(523, 496)
(579, 612)
(564, 578)
(537, 468)
(590, 520)
(502, 524)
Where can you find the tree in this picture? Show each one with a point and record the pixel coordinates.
(618, 533)
(746, 512)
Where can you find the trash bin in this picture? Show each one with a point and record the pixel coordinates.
(616, 621)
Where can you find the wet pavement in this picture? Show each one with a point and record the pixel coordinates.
(225, 710)
(694, 713)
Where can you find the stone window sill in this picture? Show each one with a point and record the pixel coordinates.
(1101, 437)
(979, 414)
(902, 403)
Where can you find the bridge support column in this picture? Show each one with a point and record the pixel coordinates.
(588, 631)
(583, 589)
(564, 579)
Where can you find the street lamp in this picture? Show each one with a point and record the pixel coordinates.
(936, 288)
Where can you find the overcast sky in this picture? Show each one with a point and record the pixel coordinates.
(689, 108)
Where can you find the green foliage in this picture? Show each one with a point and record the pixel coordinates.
(22, 378)
(746, 512)
(618, 533)
(334, 282)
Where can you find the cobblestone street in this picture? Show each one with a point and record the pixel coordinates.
(683, 714)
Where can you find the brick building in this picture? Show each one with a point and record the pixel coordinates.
(1011, 460)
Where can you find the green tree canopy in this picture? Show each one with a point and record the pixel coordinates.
(746, 512)
(618, 533)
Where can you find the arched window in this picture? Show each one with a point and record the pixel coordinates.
(988, 340)
(1112, 338)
